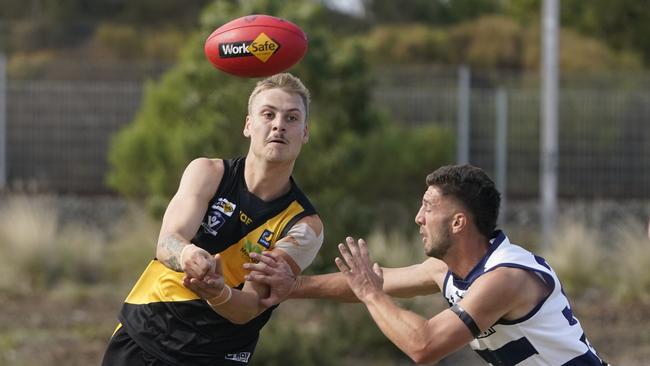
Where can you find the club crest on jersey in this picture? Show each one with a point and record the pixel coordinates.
(266, 238)
(217, 215)
(213, 221)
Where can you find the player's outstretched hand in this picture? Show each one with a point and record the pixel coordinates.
(364, 277)
(272, 270)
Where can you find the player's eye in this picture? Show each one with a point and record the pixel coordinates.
(292, 118)
(268, 115)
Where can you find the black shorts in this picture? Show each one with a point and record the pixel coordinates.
(122, 350)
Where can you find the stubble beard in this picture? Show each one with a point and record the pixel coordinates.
(439, 246)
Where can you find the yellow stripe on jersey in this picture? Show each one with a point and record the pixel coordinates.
(233, 258)
(158, 283)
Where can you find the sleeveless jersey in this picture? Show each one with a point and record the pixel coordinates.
(549, 335)
(170, 321)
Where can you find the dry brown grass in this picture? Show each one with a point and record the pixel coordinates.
(62, 282)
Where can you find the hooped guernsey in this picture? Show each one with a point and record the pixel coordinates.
(171, 322)
(549, 335)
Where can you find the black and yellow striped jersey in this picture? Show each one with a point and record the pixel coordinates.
(173, 323)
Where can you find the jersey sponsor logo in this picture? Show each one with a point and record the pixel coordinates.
(266, 238)
(238, 357)
(456, 296)
(488, 332)
(245, 218)
(224, 206)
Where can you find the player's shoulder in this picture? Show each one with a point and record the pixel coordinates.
(509, 282)
(205, 168)
(202, 175)
(206, 163)
(435, 268)
(313, 221)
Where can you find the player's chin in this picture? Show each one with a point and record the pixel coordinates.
(280, 155)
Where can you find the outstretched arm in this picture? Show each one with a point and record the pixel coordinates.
(419, 279)
(502, 293)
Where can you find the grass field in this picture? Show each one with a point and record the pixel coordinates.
(64, 274)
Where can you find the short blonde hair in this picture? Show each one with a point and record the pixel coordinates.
(283, 81)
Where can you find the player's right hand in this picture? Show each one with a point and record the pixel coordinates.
(197, 262)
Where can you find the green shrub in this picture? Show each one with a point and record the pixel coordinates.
(356, 157)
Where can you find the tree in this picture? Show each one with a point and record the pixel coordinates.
(356, 161)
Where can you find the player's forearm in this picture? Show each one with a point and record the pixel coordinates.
(169, 251)
(407, 330)
(240, 308)
(332, 286)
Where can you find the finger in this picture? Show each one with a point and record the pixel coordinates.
(260, 267)
(192, 272)
(214, 282)
(196, 282)
(217, 264)
(363, 252)
(354, 250)
(378, 271)
(342, 267)
(259, 278)
(345, 253)
(274, 255)
(266, 259)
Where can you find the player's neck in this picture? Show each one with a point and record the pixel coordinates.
(267, 180)
(466, 254)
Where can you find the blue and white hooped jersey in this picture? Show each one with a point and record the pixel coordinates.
(547, 336)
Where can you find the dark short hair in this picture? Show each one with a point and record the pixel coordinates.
(474, 189)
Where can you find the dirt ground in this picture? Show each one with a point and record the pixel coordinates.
(72, 328)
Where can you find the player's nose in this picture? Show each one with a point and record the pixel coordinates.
(419, 217)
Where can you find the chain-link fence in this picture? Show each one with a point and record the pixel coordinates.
(604, 126)
(58, 132)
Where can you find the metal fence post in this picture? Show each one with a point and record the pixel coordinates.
(3, 122)
(463, 130)
(549, 119)
(501, 148)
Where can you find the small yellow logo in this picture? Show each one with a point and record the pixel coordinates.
(263, 47)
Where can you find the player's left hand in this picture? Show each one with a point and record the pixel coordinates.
(212, 283)
(272, 270)
(364, 278)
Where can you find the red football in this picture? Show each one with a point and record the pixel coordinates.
(256, 45)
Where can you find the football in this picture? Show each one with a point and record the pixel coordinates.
(256, 46)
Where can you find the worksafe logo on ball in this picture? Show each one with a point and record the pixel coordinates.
(262, 47)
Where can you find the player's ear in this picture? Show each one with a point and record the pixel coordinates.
(458, 222)
(246, 131)
(305, 136)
